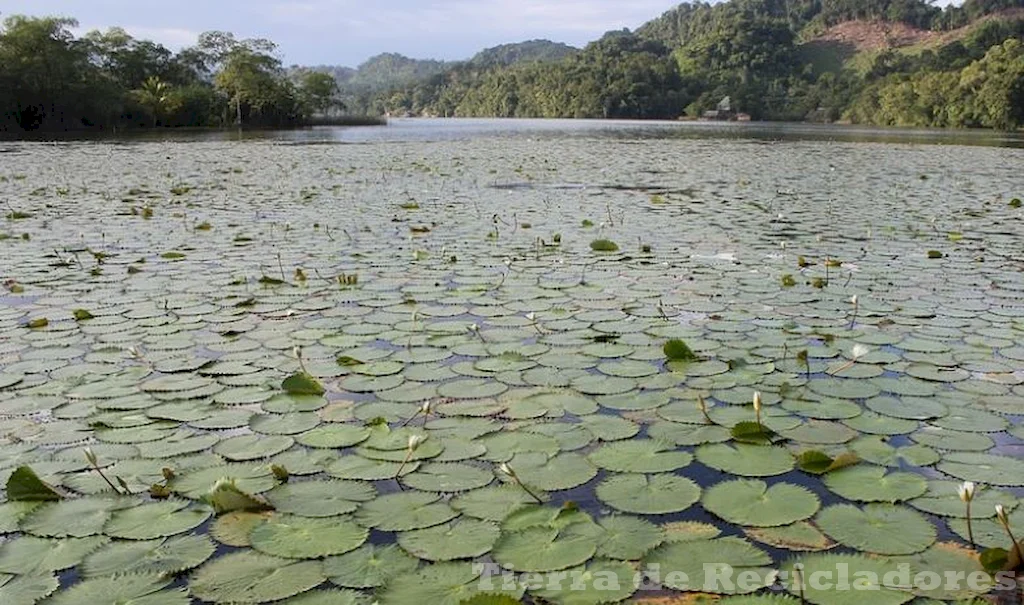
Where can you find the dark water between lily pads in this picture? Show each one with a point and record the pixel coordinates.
(451, 261)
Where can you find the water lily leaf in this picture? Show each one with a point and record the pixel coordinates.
(946, 558)
(819, 463)
(746, 460)
(984, 468)
(460, 539)
(145, 588)
(369, 566)
(252, 577)
(24, 485)
(943, 499)
(320, 498)
(250, 478)
(884, 529)
(988, 532)
(73, 518)
(405, 511)
(648, 495)
(443, 584)
(863, 574)
(801, 536)
(702, 564)
(253, 447)
(689, 531)
(11, 514)
(357, 467)
(945, 439)
(560, 472)
(233, 529)
(291, 423)
(302, 383)
(546, 548)
(491, 503)
(226, 497)
(334, 436)
(26, 590)
(447, 477)
(328, 597)
(874, 484)
(296, 537)
(640, 456)
(876, 450)
(164, 556)
(156, 520)
(751, 502)
(628, 538)
(595, 583)
(29, 555)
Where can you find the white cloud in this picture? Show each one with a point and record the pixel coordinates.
(171, 37)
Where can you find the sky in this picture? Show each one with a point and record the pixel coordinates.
(347, 32)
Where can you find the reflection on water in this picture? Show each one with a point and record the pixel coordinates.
(425, 130)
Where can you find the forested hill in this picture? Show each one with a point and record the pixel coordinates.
(359, 87)
(893, 62)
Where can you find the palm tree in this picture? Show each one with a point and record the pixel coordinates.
(155, 96)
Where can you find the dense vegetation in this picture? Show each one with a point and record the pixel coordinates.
(775, 60)
(50, 80)
(764, 55)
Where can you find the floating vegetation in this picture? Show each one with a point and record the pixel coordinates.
(604, 245)
(332, 398)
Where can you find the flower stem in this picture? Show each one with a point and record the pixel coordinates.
(970, 529)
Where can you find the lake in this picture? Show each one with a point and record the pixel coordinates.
(333, 365)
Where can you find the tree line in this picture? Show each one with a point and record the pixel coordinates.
(52, 81)
(761, 54)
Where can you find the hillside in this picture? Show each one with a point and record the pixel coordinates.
(523, 52)
(901, 62)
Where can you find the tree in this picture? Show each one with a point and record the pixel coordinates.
(319, 91)
(156, 96)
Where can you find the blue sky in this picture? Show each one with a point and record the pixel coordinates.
(346, 32)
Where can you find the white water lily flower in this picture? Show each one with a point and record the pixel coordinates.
(757, 401)
(505, 468)
(531, 316)
(415, 441)
(860, 350)
(427, 407)
(853, 300)
(1002, 516)
(966, 491)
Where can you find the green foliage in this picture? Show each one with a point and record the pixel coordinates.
(604, 245)
(25, 485)
(677, 350)
(302, 383)
(50, 80)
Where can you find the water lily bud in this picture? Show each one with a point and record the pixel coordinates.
(853, 300)
(757, 401)
(1001, 515)
(167, 473)
(427, 407)
(966, 491)
(531, 316)
(297, 351)
(90, 456)
(860, 350)
(415, 441)
(505, 468)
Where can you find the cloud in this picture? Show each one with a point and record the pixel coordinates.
(348, 31)
(171, 37)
